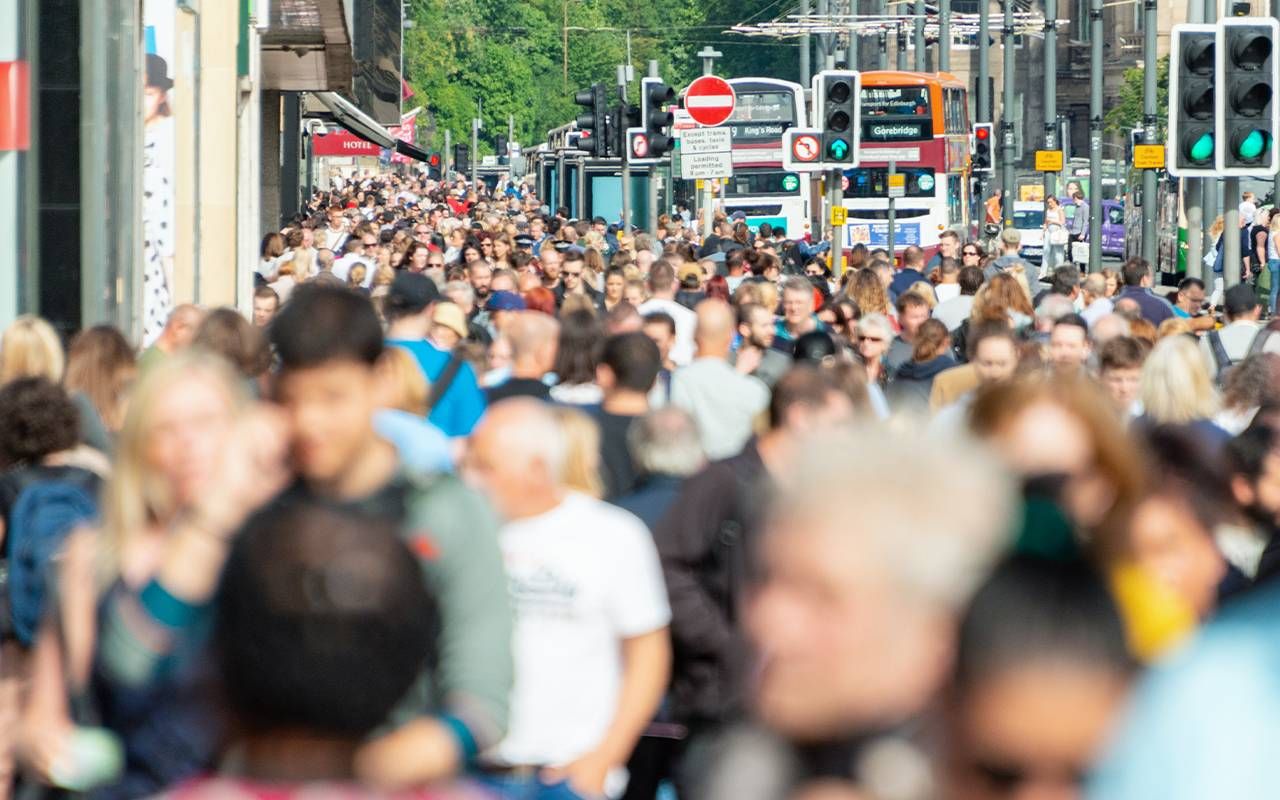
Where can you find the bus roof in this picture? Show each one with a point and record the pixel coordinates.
(890, 77)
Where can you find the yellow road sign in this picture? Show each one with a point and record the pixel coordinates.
(1148, 156)
(1048, 161)
(838, 215)
(898, 184)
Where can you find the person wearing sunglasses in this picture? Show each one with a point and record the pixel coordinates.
(1042, 641)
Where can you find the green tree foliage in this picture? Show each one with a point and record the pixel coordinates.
(1127, 111)
(510, 54)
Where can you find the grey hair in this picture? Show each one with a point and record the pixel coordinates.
(879, 322)
(462, 288)
(666, 442)
(1055, 307)
(851, 483)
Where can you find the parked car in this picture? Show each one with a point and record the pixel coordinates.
(1028, 220)
(1112, 224)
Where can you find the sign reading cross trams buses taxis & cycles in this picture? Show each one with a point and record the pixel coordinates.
(1148, 156)
(1048, 161)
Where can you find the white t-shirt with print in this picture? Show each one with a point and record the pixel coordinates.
(583, 577)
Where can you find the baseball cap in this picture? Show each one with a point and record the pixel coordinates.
(599, 221)
(451, 317)
(738, 216)
(1240, 299)
(505, 301)
(411, 292)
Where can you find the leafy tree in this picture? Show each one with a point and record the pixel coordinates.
(1126, 113)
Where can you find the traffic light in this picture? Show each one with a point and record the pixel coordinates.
(1136, 135)
(461, 158)
(982, 135)
(1193, 142)
(433, 167)
(500, 145)
(593, 122)
(1247, 114)
(656, 120)
(838, 93)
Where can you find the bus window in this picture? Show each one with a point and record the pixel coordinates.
(955, 197)
(895, 101)
(745, 184)
(872, 183)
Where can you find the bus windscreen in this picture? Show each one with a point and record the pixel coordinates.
(762, 115)
(896, 114)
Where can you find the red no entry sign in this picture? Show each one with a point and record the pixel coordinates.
(709, 100)
(805, 148)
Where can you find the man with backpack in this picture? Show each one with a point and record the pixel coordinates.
(1230, 345)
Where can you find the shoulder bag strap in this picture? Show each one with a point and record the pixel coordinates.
(441, 384)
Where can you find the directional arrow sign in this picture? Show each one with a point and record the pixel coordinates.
(839, 149)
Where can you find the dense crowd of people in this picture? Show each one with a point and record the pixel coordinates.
(483, 501)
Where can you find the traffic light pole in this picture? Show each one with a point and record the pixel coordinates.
(918, 39)
(653, 172)
(1211, 187)
(1152, 132)
(709, 56)
(835, 198)
(1230, 232)
(1006, 117)
(806, 57)
(984, 84)
(944, 37)
(893, 208)
(447, 157)
(1095, 135)
(1050, 106)
(474, 155)
(625, 154)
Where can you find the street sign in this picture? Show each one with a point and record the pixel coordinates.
(802, 150)
(1048, 161)
(694, 166)
(706, 140)
(1148, 156)
(790, 183)
(710, 100)
(898, 185)
(839, 214)
(638, 145)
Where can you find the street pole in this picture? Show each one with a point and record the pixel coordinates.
(918, 42)
(1193, 193)
(475, 151)
(1095, 135)
(709, 55)
(826, 41)
(806, 58)
(447, 160)
(984, 79)
(625, 151)
(1230, 232)
(1050, 105)
(1210, 185)
(902, 45)
(653, 171)
(853, 60)
(1008, 54)
(944, 37)
(1275, 186)
(835, 199)
(882, 56)
(1151, 132)
(893, 207)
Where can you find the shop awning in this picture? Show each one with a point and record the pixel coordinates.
(346, 114)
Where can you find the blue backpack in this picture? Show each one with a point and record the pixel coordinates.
(46, 511)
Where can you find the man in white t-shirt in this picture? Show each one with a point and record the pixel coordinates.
(662, 291)
(592, 650)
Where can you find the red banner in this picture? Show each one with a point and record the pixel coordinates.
(343, 143)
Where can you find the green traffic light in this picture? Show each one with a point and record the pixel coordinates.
(838, 149)
(1253, 145)
(1201, 149)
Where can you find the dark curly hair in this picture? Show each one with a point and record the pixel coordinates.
(36, 418)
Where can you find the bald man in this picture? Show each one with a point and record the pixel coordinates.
(724, 402)
(532, 337)
(592, 648)
(179, 331)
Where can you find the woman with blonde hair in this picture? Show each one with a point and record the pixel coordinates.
(192, 461)
(582, 466)
(925, 291)
(403, 390)
(286, 280)
(30, 348)
(1177, 388)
